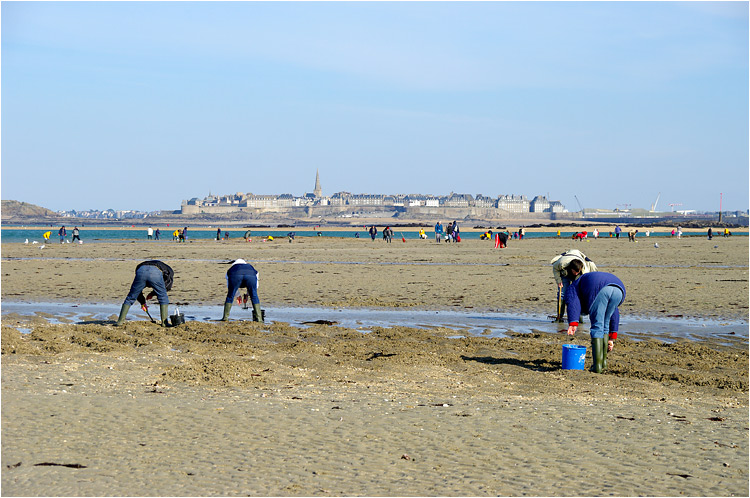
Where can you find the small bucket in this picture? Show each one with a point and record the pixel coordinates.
(573, 357)
(177, 319)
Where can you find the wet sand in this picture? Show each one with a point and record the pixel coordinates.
(241, 408)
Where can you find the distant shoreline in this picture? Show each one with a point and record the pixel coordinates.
(604, 229)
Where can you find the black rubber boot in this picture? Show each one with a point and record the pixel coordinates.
(257, 313)
(123, 312)
(598, 347)
(227, 307)
(164, 312)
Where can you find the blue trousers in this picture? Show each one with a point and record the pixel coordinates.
(601, 310)
(148, 276)
(246, 280)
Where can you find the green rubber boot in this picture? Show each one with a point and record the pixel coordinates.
(163, 311)
(123, 312)
(227, 307)
(604, 353)
(257, 313)
(598, 349)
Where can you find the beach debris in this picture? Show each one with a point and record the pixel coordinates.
(380, 355)
(405, 457)
(14, 465)
(716, 419)
(625, 418)
(656, 245)
(684, 476)
(53, 464)
(320, 322)
(725, 445)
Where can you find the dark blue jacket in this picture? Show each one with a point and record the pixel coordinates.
(584, 290)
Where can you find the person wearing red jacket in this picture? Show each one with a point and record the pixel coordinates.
(599, 294)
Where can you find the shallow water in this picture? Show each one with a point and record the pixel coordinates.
(489, 324)
(377, 263)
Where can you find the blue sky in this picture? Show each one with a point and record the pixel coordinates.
(138, 105)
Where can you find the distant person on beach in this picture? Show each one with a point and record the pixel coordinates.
(47, 235)
(501, 239)
(727, 233)
(181, 236)
(679, 232)
(449, 232)
(388, 234)
(184, 234)
(247, 236)
(156, 234)
(521, 233)
(150, 233)
(599, 294)
(157, 275)
(563, 277)
(76, 235)
(422, 235)
(631, 235)
(218, 234)
(710, 233)
(456, 232)
(242, 274)
(373, 232)
(62, 233)
(176, 235)
(596, 233)
(438, 231)
(617, 231)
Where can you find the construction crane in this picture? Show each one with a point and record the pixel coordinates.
(673, 204)
(626, 206)
(653, 206)
(579, 203)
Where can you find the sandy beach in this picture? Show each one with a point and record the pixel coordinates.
(242, 408)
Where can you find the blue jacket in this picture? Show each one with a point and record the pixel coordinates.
(584, 290)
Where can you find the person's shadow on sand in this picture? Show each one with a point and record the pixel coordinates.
(540, 365)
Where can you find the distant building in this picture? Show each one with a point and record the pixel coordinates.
(453, 205)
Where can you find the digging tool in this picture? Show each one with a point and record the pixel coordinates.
(145, 308)
(560, 305)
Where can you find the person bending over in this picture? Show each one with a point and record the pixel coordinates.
(156, 275)
(242, 274)
(563, 278)
(599, 294)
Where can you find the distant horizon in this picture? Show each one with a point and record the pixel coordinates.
(141, 103)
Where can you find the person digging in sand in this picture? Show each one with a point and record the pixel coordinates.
(599, 294)
(242, 274)
(159, 277)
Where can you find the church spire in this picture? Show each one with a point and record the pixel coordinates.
(318, 191)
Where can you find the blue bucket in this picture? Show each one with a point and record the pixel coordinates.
(573, 357)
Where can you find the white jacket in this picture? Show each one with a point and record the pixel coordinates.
(561, 261)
